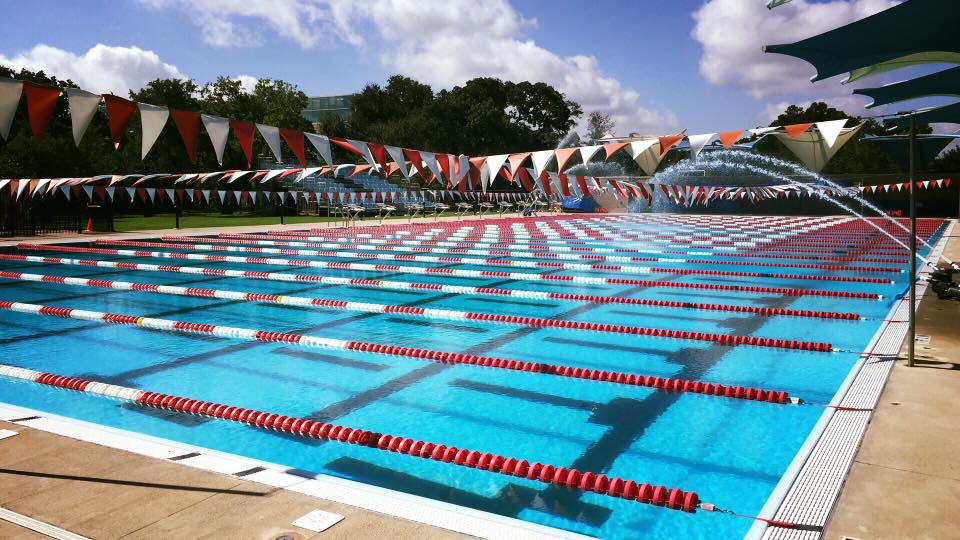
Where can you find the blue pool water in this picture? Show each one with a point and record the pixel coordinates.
(731, 452)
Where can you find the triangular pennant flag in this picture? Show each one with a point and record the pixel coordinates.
(361, 149)
(494, 164)
(10, 90)
(152, 121)
(188, 124)
(41, 101)
(516, 160)
(430, 160)
(89, 191)
(253, 197)
(271, 175)
(461, 171)
(271, 135)
(564, 155)
(152, 193)
(119, 113)
(795, 130)
(170, 193)
(667, 142)
(218, 129)
(206, 195)
(236, 195)
(66, 188)
(540, 160)
(396, 154)
(729, 138)
(443, 161)
(223, 196)
(322, 144)
(294, 139)
(379, 153)
(83, 105)
(697, 142)
(639, 147)
(587, 152)
(131, 191)
(830, 130)
(612, 148)
(243, 131)
(307, 172)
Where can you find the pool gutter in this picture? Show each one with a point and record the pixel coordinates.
(810, 487)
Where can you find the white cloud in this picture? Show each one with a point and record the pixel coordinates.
(101, 69)
(247, 82)
(441, 42)
(733, 33)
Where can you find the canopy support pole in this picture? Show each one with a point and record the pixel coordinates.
(912, 334)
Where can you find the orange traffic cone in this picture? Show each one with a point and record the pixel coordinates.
(89, 228)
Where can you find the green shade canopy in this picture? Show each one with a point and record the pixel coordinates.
(898, 147)
(941, 83)
(916, 31)
(947, 113)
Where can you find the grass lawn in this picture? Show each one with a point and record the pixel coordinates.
(167, 221)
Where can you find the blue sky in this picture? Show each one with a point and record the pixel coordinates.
(655, 66)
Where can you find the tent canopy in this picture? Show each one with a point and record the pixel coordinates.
(947, 113)
(898, 147)
(941, 83)
(883, 41)
(812, 148)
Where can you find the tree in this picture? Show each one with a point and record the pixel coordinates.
(598, 125)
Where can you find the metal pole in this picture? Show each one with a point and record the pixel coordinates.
(912, 335)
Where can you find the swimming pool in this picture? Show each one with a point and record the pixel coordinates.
(798, 281)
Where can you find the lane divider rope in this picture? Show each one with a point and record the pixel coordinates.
(420, 312)
(299, 340)
(436, 287)
(477, 274)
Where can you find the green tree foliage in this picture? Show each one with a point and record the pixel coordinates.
(484, 116)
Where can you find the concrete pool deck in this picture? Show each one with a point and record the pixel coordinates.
(905, 479)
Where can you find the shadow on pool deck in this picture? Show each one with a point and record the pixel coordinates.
(905, 480)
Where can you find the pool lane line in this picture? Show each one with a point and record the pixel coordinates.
(671, 498)
(476, 274)
(629, 379)
(420, 312)
(512, 250)
(433, 287)
(605, 268)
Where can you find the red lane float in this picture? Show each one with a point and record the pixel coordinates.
(410, 311)
(452, 289)
(477, 274)
(299, 340)
(513, 250)
(672, 498)
(489, 262)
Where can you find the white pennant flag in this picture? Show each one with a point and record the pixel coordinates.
(540, 161)
(152, 192)
(830, 130)
(131, 192)
(89, 191)
(223, 196)
(396, 154)
(206, 195)
(271, 174)
(44, 181)
(697, 142)
(236, 195)
(64, 188)
(587, 152)
(307, 172)
(170, 194)
(493, 164)
(365, 152)
(83, 105)
(218, 128)
(253, 196)
(152, 120)
(10, 90)
(461, 173)
(322, 144)
(271, 135)
(638, 147)
(430, 160)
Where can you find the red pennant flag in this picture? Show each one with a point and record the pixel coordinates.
(119, 113)
(795, 130)
(525, 179)
(243, 131)
(379, 154)
(667, 142)
(476, 163)
(516, 160)
(294, 139)
(583, 186)
(729, 138)
(564, 155)
(188, 124)
(444, 164)
(414, 156)
(41, 101)
(946, 182)
(342, 143)
(564, 187)
(613, 148)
